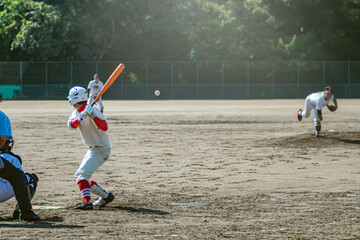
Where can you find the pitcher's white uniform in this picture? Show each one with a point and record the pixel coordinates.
(315, 101)
(6, 190)
(95, 88)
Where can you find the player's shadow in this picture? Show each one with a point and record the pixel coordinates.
(141, 210)
(350, 141)
(43, 223)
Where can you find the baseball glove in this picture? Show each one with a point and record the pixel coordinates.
(332, 108)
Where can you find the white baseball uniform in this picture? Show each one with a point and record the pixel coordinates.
(6, 190)
(315, 101)
(95, 88)
(97, 141)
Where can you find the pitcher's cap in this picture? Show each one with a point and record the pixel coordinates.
(329, 89)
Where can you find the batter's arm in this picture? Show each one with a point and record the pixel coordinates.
(97, 117)
(101, 124)
(70, 121)
(73, 121)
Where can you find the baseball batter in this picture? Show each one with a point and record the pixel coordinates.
(94, 89)
(93, 127)
(317, 101)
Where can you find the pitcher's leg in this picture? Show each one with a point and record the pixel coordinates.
(317, 124)
(307, 109)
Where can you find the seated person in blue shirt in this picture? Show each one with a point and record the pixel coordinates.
(10, 170)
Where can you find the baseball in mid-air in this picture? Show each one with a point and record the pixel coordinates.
(157, 93)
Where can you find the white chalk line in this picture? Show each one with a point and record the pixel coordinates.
(47, 207)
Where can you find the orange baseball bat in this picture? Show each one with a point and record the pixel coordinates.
(110, 81)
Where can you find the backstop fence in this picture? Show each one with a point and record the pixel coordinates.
(183, 79)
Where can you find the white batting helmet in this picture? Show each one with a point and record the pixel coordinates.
(77, 94)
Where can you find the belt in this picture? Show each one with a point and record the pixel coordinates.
(94, 146)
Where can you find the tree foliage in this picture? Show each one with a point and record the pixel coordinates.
(28, 30)
(179, 30)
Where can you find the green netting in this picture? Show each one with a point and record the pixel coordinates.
(354, 72)
(183, 79)
(159, 72)
(9, 73)
(236, 72)
(185, 73)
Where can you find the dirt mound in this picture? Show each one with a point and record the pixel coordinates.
(327, 140)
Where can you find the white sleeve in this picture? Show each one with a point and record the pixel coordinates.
(71, 118)
(99, 114)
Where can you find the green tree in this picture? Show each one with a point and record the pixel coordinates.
(317, 29)
(28, 30)
(179, 30)
(112, 30)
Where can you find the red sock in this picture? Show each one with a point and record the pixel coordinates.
(93, 183)
(84, 187)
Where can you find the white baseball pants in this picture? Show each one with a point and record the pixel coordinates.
(6, 191)
(93, 159)
(307, 111)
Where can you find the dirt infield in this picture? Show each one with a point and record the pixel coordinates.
(194, 170)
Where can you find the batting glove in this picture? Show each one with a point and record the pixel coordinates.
(90, 111)
(82, 116)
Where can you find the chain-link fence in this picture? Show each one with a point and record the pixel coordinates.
(183, 79)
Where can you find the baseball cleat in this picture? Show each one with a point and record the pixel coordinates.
(100, 202)
(29, 216)
(317, 135)
(16, 214)
(299, 116)
(84, 206)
